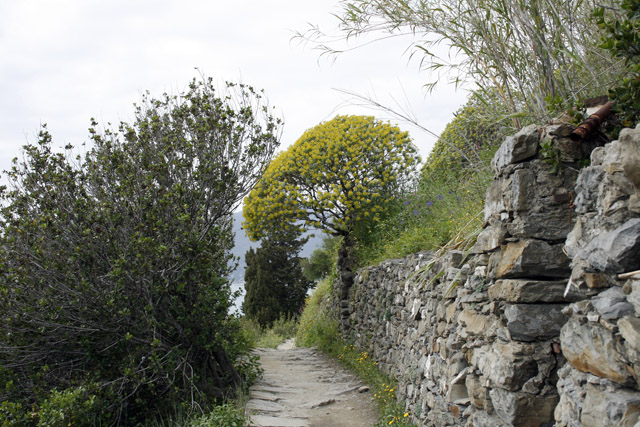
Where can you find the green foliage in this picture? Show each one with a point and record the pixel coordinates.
(338, 177)
(224, 415)
(447, 203)
(115, 263)
(68, 407)
(14, 414)
(622, 40)
(391, 411)
(469, 140)
(281, 330)
(274, 282)
(317, 327)
(323, 260)
(551, 156)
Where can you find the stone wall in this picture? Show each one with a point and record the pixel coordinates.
(482, 337)
(601, 340)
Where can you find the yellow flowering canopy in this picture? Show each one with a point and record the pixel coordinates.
(338, 173)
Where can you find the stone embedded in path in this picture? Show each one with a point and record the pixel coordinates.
(270, 421)
(302, 388)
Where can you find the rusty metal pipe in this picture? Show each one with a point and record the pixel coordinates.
(592, 123)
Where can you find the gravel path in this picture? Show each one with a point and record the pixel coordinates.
(301, 387)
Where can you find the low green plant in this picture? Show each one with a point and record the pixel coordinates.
(270, 337)
(551, 156)
(72, 406)
(229, 414)
(391, 411)
(317, 327)
(226, 415)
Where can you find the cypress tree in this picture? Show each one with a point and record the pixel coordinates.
(274, 282)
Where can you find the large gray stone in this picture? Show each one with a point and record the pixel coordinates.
(473, 323)
(591, 348)
(522, 183)
(630, 330)
(634, 295)
(532, 258)
(523, 409)
(508, 365)
(494, 203)
(612, 303)
(620, 408)
(626, 152)
(532, 291)
(517, 148)
(587, 186)
(491, 237)
(616, 251)
(531, 322)
(547, 223)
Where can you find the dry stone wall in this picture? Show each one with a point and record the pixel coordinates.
(599, 386)
(496, 335)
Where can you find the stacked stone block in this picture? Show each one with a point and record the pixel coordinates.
(474, 338)
(601, 340)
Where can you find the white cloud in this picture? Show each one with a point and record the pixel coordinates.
(66, 61)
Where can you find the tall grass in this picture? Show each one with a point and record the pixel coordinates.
(281, 330)
(447, 203)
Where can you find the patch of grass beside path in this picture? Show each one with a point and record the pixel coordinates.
(281, 330)
(317, 328)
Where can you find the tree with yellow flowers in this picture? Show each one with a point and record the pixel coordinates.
(337, 176)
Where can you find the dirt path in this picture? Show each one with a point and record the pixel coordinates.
(303, 388)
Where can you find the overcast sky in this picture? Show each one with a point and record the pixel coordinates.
(65, 61)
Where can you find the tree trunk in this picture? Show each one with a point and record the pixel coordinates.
(345, 265)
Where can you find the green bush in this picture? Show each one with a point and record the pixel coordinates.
(113, 265)
(622, 40)
(14, 414)
(73, 406)
(447, 203)
(225, 415)
(323, 260)
(281, 330)
(317, 327)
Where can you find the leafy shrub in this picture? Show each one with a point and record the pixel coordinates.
(281, 330)
(225, 415)
(323, 260)
(622, 40)
(14, 414)
(113, 265)
(317, 327)
(447, 203)
(73, 406)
